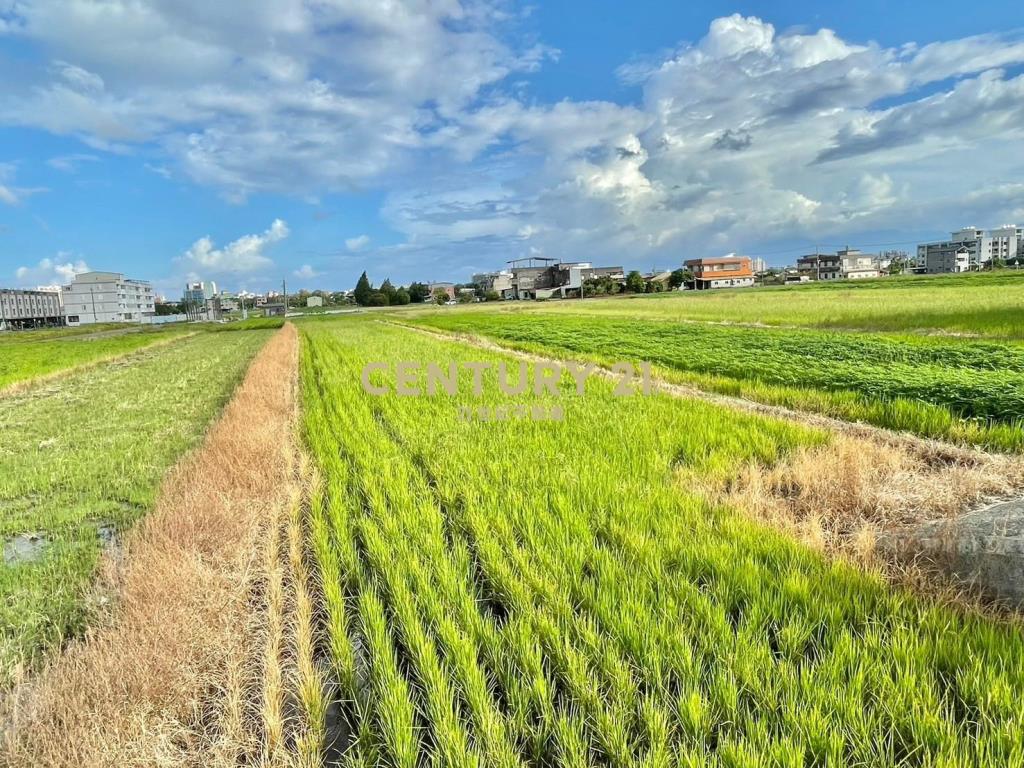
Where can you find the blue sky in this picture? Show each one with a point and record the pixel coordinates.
(309, 141)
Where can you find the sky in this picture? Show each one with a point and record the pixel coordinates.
(308, 140)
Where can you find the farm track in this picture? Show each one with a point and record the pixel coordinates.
(839, 496)
(37, 381)
(207, 657)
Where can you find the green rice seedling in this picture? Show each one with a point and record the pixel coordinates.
(34, 354)
(959, 390)
(559, 592)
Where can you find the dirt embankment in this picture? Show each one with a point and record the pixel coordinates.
(194, 664)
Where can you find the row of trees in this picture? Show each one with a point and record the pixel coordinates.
(635, 283)
(387, 295)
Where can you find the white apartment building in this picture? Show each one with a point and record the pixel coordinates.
(1006, 242)
(857, 265)
(107, 297)
(29, 309)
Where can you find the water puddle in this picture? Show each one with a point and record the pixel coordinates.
(25, 548)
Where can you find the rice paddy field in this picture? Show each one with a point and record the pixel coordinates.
(81, 459)
(551, 591)
(988, 304)
(27, 355)
(963, 390)
(447, 553)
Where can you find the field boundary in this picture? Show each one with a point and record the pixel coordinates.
(25, 385)
(839, 497)
(178, 671)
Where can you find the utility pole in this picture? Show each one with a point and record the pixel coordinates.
(284, 290)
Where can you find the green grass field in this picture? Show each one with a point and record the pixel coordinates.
(27, 355)
(983, 304)
(554, 593)
(954, 389)
(82, 456)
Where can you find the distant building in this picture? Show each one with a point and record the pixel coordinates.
(552, 278)
(661, 278)
(857, 265)
(314, 301)
(759, 265)
(273, 310)
(107, 297)
(941, 261)
(722, 272)
(500, 281)
(29, 309)
(820, 266)
(199, 293)
(1004, 243)
(448, 288)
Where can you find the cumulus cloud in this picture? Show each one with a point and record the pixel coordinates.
(244, 255)
(305, 272)
(294, 97)
(358, 243)
(745, 135)
(51, 272)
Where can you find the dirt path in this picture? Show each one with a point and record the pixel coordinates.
(194, 664)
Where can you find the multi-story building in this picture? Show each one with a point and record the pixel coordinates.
(1004, 243)
(723, 272)
(499, 281)
(820, 266)
(107, 297)
(857, 265)
(29, 309)
(554, 279)
(941, 261)
(199, 293)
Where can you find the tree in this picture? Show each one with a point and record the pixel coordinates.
(376, 299)
(635, 282)
(465, 297)
(896, 267)
(418, 292)
(998, 263)
(401, 297)
(678, 277)
(440, 296)
(492, 295)
(389, 290)
(363, 290)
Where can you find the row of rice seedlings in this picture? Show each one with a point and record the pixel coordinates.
(959, 390)
(757, 652)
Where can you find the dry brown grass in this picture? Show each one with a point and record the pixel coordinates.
(837, 496)
(172, 677)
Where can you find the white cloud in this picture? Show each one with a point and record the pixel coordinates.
(10, 194)
(355, 244)
(50, 272)
(244, 255)
(297, 96)
(71, 163)
(744, 136)
(305, 272)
